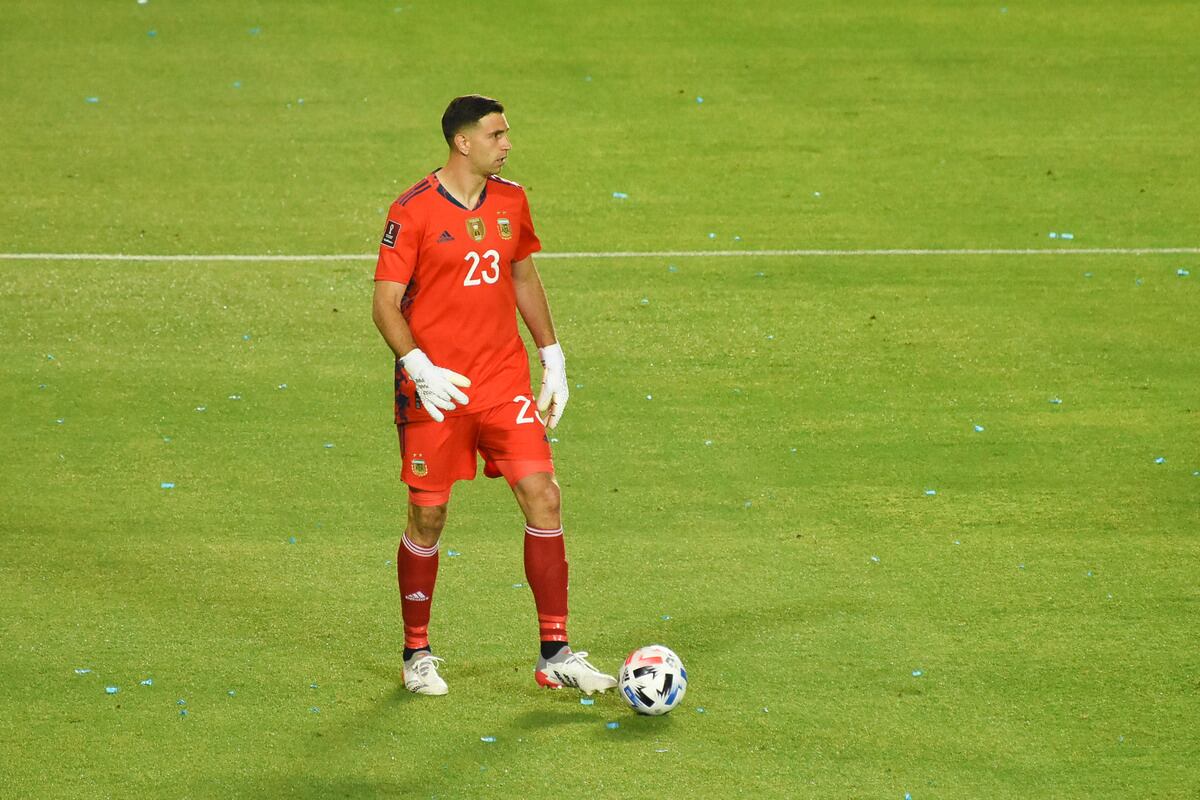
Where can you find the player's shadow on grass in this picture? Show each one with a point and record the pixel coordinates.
(629, 724)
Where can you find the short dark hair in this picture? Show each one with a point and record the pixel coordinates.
(465, 111)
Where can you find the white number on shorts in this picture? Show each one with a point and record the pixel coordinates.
(523, 412)
(491, 272)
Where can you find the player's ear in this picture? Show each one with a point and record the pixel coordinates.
(462, 144)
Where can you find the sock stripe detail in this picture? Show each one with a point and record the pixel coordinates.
(416, 549)
(543, 533)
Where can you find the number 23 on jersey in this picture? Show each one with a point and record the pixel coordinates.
(489, 274)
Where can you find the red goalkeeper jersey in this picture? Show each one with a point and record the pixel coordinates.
(460, 302)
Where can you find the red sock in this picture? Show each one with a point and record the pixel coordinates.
(416, 571)
(546, 571)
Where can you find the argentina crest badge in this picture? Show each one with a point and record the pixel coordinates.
(502, 224)
(476, 229)
(419, 467)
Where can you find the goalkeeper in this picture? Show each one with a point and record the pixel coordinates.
(455, 262)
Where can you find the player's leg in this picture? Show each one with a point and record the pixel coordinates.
(558, 665)
(514, 445)
(433, 455)
(416, 571)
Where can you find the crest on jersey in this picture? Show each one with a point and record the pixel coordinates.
(390, 232)
(505, 228)
(476, 229)
(419, 467)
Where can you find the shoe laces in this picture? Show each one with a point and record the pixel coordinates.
(581, 657)
(427, 664)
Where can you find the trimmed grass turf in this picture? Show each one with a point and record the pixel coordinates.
(1034, 680)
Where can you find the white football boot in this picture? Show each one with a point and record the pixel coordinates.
(572, 669)
(421, 674)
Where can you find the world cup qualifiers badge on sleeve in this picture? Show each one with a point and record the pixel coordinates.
(419, 467)
(390, 233)
(476, 229)
(505, 228)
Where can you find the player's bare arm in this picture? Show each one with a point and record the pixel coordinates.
(437, 387)
(535, 310)
(388, 319)
(532, 302)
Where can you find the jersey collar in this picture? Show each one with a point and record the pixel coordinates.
(442, 191)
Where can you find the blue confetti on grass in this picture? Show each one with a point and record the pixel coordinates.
(712, 235)
(82, 671)
(930, 492)
(1056, 401)
(231, 693)
(314, 710)
(875, 559)
(665, 617)
(699, 99)
(111, 689)
(181, 702)
(620, 196)
(167, 485)
(237, 84)
(586, 701)
(612, 726)
(255, 31)
(453, 553)
(92, 100)
(1160, 460)
(917, 673)
(672, 268)
(979, 429)
(183, 712)
(699, 709)
(487, 739)
(1183, 273)
(1067, 236)
(148, 682)
(291, 540)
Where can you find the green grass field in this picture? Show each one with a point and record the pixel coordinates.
(751, 443)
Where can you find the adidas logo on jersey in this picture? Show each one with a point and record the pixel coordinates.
(417, 596)
(445, 237)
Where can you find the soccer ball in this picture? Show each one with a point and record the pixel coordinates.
(652, 680)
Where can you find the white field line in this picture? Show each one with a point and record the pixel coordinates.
(194, 257)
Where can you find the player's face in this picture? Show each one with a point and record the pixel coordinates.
(489, 144)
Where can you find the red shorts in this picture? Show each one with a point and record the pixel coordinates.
(511, 438)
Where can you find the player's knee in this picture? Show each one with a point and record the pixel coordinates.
(540, 496)
(426, 523)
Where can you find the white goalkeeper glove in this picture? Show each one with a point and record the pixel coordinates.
(435, 385)
(554, 392)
